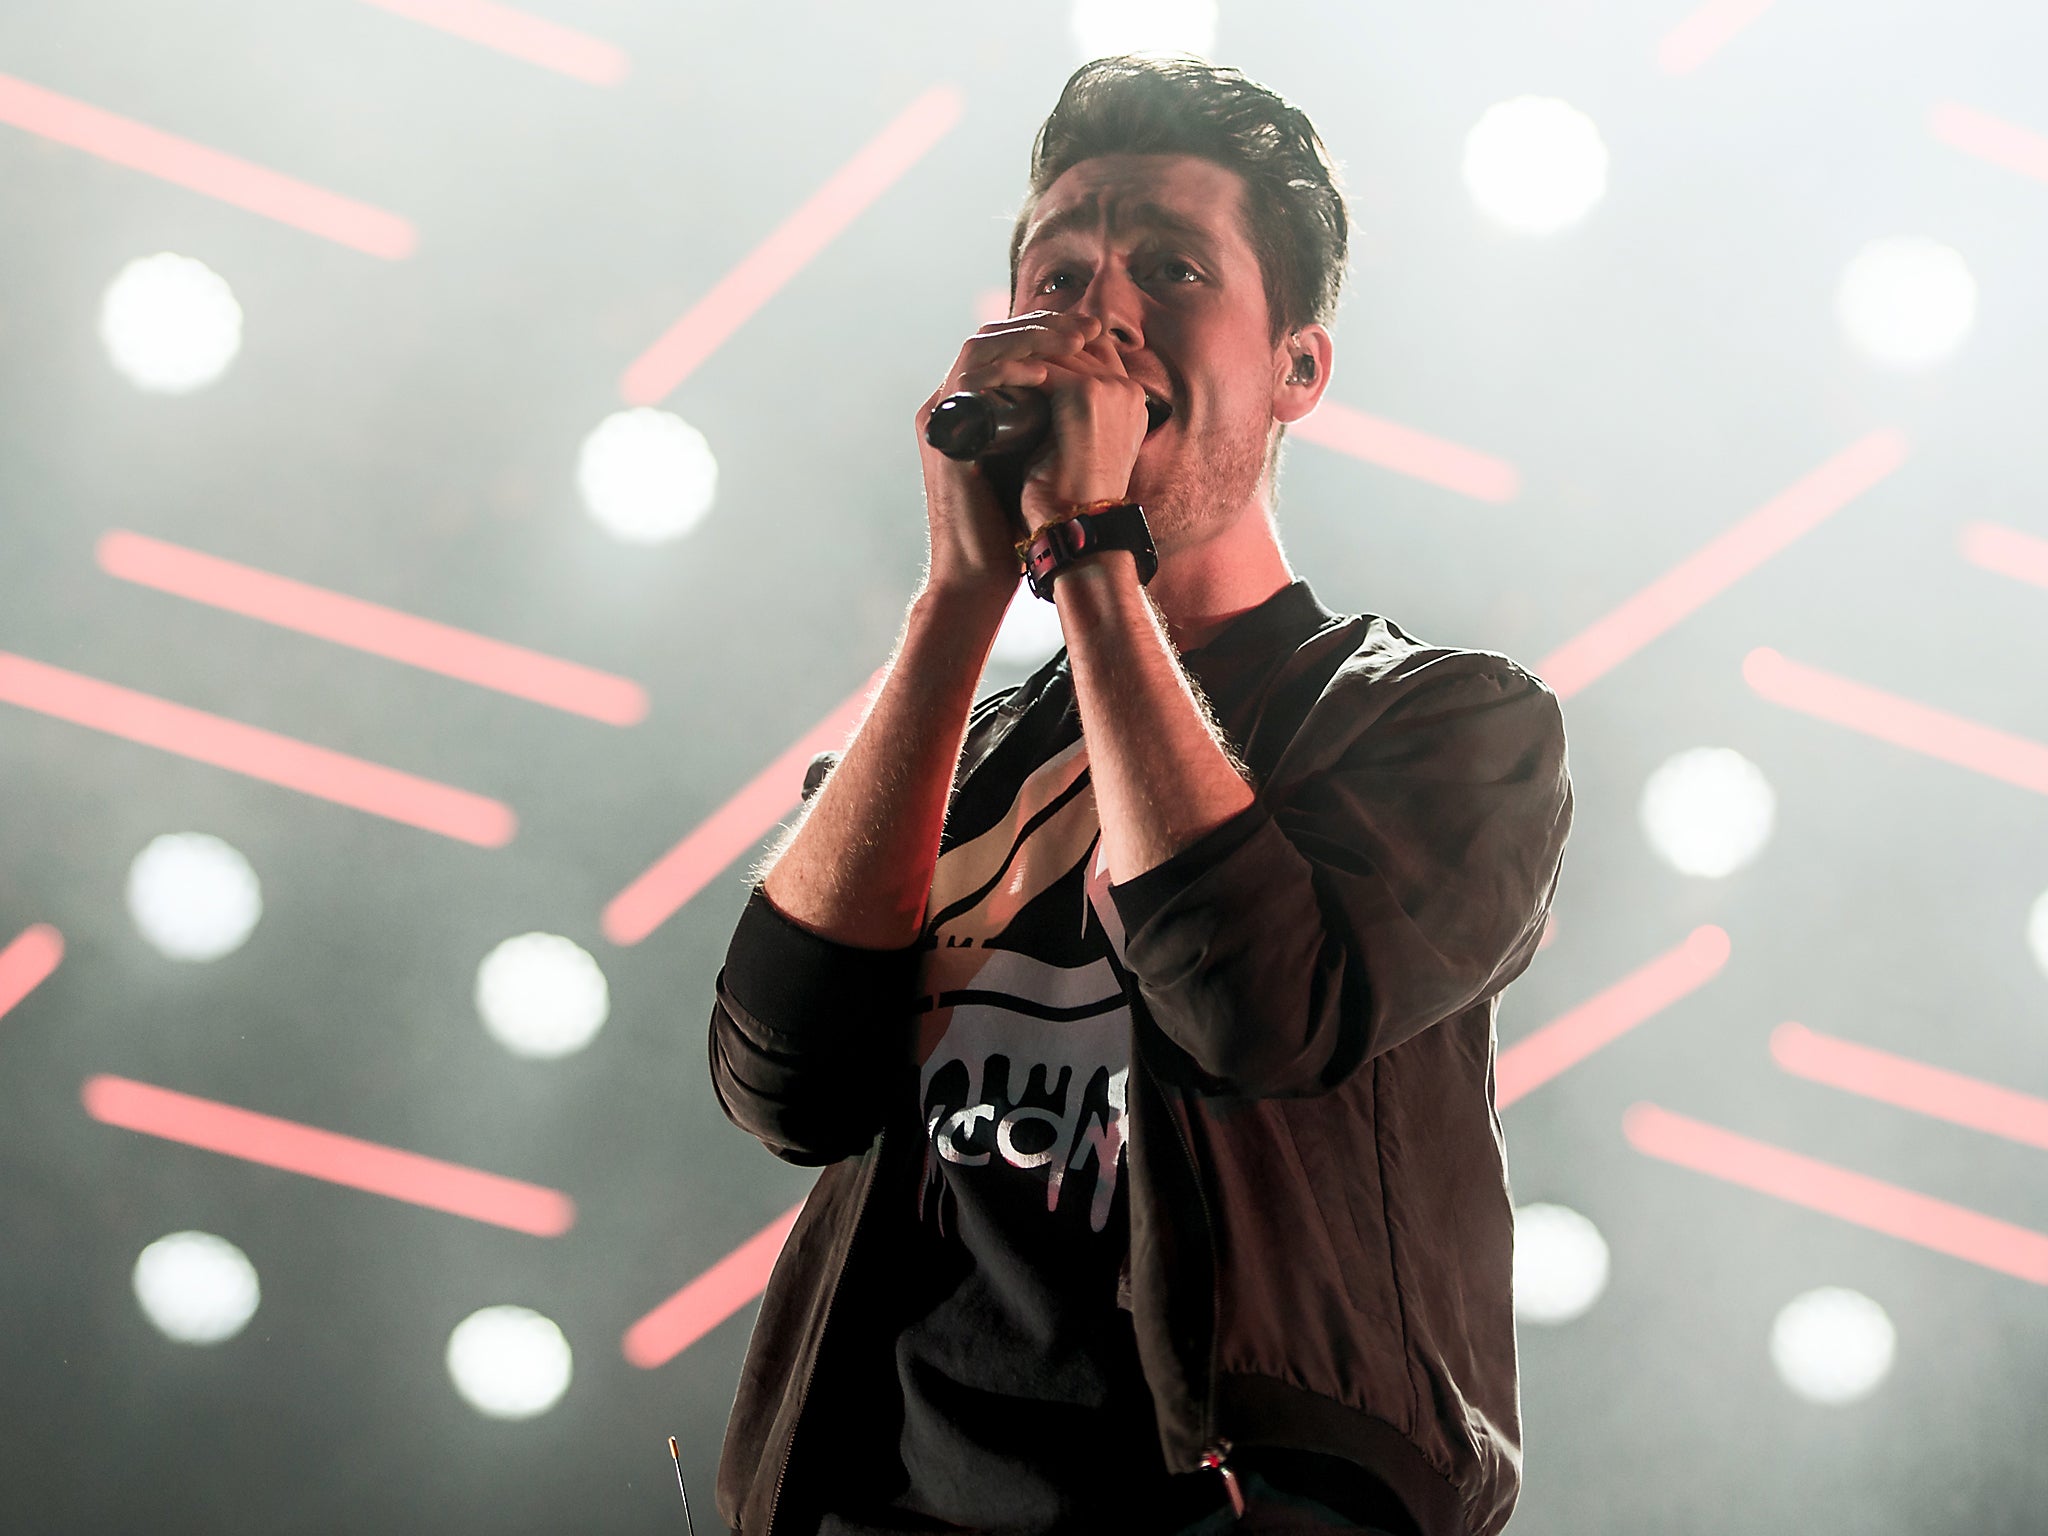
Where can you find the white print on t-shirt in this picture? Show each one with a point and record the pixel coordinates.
(1057, 1038)
(1064, 1079)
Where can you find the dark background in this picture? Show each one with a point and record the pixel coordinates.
(406, 432)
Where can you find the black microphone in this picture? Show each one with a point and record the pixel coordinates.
(1002, 423)
(989, 423)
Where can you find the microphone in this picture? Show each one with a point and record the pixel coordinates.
(1003, 423)
(989, 423)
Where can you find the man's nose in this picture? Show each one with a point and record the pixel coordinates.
(1114, 299)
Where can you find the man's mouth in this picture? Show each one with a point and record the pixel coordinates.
(1157, 412)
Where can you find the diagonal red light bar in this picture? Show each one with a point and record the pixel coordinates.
(1718, 565)
(1910, 1084)
(1903, 723)
(1570, 1038)
(1852, 1197)
(1705, 33)
(26, 963)
(2007, 551)
(318, 1154)
(709, 1299)
(368, 627)
(207, 171)
(1409, 452)
(261, 754)
(1990, 138)
(763, 271)
(660, 892)
(546, 43)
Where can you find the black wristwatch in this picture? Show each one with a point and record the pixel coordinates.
(1118, 525)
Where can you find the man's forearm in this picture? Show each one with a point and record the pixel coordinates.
(858, 868)
(1161, 773)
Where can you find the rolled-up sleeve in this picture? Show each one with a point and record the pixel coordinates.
(1397, 870)
(808, 1037)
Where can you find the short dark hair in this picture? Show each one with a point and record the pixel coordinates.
(1143, 105)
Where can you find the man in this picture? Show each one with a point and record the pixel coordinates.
(1142, 1015)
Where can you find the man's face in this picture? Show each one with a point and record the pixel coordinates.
(1155, 247)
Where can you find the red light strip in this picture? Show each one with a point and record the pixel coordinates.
(1851, 1197)
(1718, 565)
(367, 627)
(318, 1154)
(207, 171)
(709, 1299)
(1910, 1084)
(1705, 33)
(1409, 452)
(2007, 551)
(26, 963)
(1570, 1038)
(1990, 138)
(740, 823)
(545, 43)
(1903, 723)
(261, 754)
(761, 274)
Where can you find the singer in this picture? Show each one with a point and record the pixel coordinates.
(1141, 1016)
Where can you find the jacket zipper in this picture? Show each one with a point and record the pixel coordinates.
(824, 1329)
(1216, 1450)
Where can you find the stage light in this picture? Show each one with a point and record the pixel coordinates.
(193, 896)
(170, 323)
(509, 1362)
(1708, 811)
(1832, 1345)
(646, 476)
(541, 995)
(1535, 164)
(1104, 27)
(1906, 302)
(1030, 632)
(1560, 1264)
(196, 1288)
(2037, 931)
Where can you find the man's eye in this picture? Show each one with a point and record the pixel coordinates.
(1052, 282)
(1174, 270)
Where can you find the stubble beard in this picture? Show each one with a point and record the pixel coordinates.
(1207, 486)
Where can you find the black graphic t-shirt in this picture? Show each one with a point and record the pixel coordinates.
(1023, 1405)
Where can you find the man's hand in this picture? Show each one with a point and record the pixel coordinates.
(1098, 424)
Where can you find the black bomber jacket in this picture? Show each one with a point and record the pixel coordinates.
(1321, 1236)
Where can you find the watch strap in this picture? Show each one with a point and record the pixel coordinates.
(1119, 525)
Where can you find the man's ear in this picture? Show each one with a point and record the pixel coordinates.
(1302, 372)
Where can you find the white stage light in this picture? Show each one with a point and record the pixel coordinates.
(541, 995)
(1535, 164)
(2037, 931)
(196, 1288)
(1560, 1264)
(170, 323)
(509, 1362)
(1030, 632)
(1144, 26)
(1708, 811)
(1833, 1345)
(193, 896)
(1906, 302)
(646, 476)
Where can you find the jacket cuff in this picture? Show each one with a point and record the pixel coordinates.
(784, 975)
(1142, 897)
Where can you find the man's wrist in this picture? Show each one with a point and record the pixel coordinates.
(1098, 581)
(955, 627)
